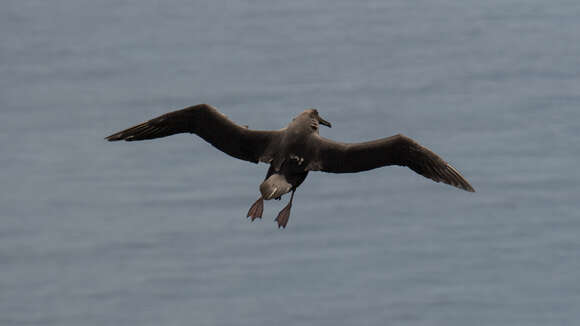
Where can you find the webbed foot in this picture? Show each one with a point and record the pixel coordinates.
(284, 214)
(257, 209)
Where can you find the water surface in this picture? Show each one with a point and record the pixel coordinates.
(153, 233)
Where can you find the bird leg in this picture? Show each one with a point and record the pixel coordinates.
(284, 214)
(257, 209)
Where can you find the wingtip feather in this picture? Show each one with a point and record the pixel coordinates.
(113, 137)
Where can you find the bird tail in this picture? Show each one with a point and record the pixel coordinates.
(275, 186)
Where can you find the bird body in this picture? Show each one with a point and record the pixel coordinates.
(294, 151)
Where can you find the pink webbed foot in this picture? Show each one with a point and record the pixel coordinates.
(284, 214)
(257, 209)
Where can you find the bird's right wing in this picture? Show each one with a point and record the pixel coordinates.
(337, 157)
(211, 125)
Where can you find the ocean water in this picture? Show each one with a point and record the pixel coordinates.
(154, 232)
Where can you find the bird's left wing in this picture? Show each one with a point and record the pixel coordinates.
(337, 157)
(211, 125)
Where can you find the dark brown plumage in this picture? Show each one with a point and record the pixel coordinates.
(294, 151)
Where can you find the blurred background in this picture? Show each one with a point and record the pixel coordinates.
(154, 232)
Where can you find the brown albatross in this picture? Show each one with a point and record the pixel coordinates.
(294, 151)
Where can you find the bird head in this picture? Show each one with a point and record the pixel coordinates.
(314, 116)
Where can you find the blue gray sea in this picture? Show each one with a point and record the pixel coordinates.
(154, 232)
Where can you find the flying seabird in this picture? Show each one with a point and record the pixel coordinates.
(294, 151)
